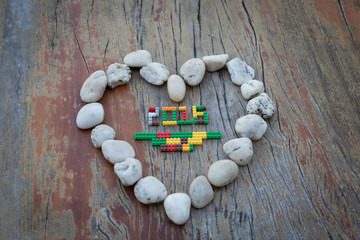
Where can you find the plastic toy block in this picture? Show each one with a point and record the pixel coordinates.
(195, 141)
(200, 114)
(151, 109)
(158, 142)
(169, 123)
(145, 136)
(184, 115)
(163, 135)
(178, 148)
(181, 134)
(191, 147)
(213, 135)
(186, 149)
(157, 111)
(174, 115)
(195, 120)
(151, 114)
(171, 148)
(201, 135)
(182, 108)
(184, 141)
(206, 122)
(199, 108)
(201, 121)
(163, 148)
(173, 141)
(155, 124)
(187, 122)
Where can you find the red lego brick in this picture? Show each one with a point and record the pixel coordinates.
(171, 148)
(155, 124)
(204, 108)
(163, 135)
(151, 109)
(184, 115)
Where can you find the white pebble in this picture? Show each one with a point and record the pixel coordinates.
(261, 105)
(201, 192)
(128, 171)
(116, 151)
(251, 88)
(193, 71)
(215, 62)
(150, 190)
(239, 150)
(117, 75)
(239, 71)
(138, 58)
(176, 88)
(177, 207)
(94, 87)
(155, 73)
(222, 172)
(101, 133)
(251, 126)
(90, 115)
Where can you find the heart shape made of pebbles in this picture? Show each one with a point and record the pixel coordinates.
(149, 189)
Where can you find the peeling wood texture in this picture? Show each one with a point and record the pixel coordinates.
(304, 180)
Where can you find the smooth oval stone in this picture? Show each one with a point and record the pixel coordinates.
(117, 75)
(222, 172)
(239, 71)
(261, 105)
(176, 88)
(215, 62)
(177, 207)
(94, 87)
(239, 150)
(150, 190)
(101, 133)
(138, 58)
(201, 192)
(90, 115)
(155, 73)
(116, 151)
(251, 126)
(251, 88)
(193, 71)
(128, 171)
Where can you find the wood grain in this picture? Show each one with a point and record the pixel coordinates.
(303, 182)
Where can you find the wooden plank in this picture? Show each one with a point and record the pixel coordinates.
(303, 181)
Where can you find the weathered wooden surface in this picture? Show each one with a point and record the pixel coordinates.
(303, 182)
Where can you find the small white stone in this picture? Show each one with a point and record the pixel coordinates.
(150, 190)
(251, 88)
(193, 71)
(239, 71)
(138, 58)
(201, 192)
(155, 73)
(215, 62)
(239, 150)
(177, 207)
(251, 126)
(90, 115)
(222, 172)
(116, 151)
(117, 75)
(101, 133)
(94, 87)
(128, 171)
(176, 88)
(261, 105)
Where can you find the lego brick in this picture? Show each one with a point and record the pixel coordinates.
(195, 141)
(201, 121)
(169, 123)
(173, 141)
(157, 111)
(213, 135)
(199, 108)
(181, 134)
(200, 114)
(163, 148)
(201, 135)
(183, 140)
(158, 142)
(155, 124)
(171, 147)
(178, 148)
(174, 115)
(187, 122)
(151, 109)
(151, 114)
(163, 135)
(191, 147)
(145, 136)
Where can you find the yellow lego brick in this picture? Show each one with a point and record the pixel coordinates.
(172, 123)
(166, 123)
(186, 149)
(200, 114)
(201, 135)
(195, 141)
(173, 141)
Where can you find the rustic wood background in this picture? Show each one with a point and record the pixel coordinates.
(303, 182)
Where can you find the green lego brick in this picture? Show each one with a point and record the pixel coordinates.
(174, 115)
(213, 135)
(191, 147)
(199, 108)
(181, 135)
(187, 122)
(145, 136)
(158, 141)
(206, 122)
(195, 120)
